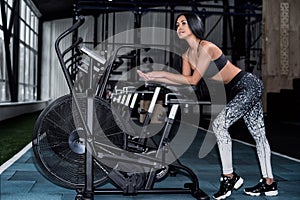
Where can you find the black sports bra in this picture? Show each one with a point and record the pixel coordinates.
(221, 62)
(216, 66)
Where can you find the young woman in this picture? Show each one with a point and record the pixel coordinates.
(245, 92)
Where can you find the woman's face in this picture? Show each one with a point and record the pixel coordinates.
(183, 29)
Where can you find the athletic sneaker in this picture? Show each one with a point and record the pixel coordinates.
(262, 187)
(227, 185)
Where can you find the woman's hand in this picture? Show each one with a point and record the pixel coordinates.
(156, 74)
(160, 76)
(150, 76)
(143, 75)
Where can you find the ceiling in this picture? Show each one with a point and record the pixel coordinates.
(58, 9)
(54, 9)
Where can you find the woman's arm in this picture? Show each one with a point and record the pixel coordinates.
(159, 78)
(187, 77)
(168, 77)
(171, 78)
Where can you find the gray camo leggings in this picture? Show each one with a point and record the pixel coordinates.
(245, 103)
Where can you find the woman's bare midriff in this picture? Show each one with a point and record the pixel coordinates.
(227, 73)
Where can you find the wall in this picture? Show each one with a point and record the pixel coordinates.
(9, 110)
(53, 82)
(281, 44)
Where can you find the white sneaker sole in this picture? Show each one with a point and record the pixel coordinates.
(252, 194)
(224, 196)
(238, 184)
(269, 194)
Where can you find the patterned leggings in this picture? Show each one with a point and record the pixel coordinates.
(246, 103)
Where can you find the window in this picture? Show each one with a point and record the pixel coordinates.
(4, 87)
(28, 53)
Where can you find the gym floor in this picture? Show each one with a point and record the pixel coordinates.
(21, 180)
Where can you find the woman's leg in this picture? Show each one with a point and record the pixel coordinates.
(230, 114)
(233, 111)
(246, 103)
(247, 93)
(254, 121)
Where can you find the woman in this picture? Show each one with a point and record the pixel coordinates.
(245, 102)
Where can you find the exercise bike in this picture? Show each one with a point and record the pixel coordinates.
(84, 139)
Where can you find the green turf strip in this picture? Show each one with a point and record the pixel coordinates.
(15, 134)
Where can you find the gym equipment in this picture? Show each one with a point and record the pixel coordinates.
(84, 140)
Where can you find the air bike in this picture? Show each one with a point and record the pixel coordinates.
(87, 139)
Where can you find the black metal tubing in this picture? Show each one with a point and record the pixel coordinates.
(75, 44)
(39, 60)
(191, 188)
(73, 59)
(88, 190)
(109, 65)
(149, 6)
(60, 54)
(144, 10)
